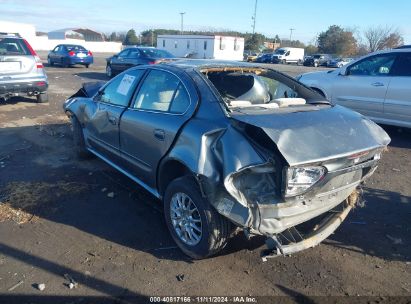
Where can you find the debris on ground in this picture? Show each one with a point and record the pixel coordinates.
(72, 283)
(41, 286)
(23, 201)
(358, 223)
(15, 286)
(104, 190)
(110, 195)
(395, 241)
(180, 277)
(396, 170)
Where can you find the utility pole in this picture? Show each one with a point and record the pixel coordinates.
(291, 33)
(254, 16)
(182, 23)
(152, 38)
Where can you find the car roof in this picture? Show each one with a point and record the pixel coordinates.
(209, 63)
(10, 35)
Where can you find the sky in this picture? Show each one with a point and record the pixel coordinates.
(307, 18)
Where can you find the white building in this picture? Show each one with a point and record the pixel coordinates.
(202, 47)
(27, 31)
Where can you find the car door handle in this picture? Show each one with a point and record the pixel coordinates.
(159, 134)
(112, 120)
(377, 84)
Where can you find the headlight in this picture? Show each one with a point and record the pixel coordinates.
(300, 179)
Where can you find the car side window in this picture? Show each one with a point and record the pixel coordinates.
(379, 65)
(402, 66)
(133, 54)
(124, 53)
(162, 92)
(56, 49)
(120, 89)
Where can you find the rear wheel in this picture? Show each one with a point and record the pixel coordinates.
(284, 61)
(42, 97)
(299, 62)
(315, 64)
(78, 138)
(87, 65)
(196, 227)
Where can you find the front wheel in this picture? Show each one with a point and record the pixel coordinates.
(196, 227)
(49, 61)
(78, 138)
(87, 65)
(109, 71)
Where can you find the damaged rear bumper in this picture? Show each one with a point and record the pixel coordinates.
(319, 234)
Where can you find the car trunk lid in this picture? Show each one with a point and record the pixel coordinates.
(312, 133)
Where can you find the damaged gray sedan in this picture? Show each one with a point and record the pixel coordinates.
(228, 145)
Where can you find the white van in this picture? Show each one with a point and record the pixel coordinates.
(288, 55)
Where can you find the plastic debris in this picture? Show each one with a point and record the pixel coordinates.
(180, 277)
(41, 286)
(72, 283)
(110, 195)
(395, 241)
(15, 286)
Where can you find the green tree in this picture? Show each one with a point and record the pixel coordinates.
(311, 49)
(131, 38)
(337, 41)
(254, 42)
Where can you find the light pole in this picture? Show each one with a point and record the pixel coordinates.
(254, 16)
(291, 33)
(182, 23)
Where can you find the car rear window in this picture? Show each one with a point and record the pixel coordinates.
(12, 46)
(75, 48)
(154, 53)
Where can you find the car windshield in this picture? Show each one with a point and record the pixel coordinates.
(155, 53)
(75, 48)
(11, 46)
(280, 52)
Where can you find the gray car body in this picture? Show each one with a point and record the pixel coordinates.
(211, 144)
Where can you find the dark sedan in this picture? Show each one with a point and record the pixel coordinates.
(317, 60)
(135, 56)
(70, 54)
(228, 145)
(264, 58)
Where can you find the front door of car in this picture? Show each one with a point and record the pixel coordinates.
(148, 128)
(118, 61)
(54, 54)
(132, 59)
(364, 85)
(102, 129)
(397, 105)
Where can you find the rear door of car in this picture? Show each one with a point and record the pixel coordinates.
(365, 84)
(397, 105)
(163, 103)
(102, 128)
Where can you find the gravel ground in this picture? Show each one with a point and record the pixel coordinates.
(85, 220)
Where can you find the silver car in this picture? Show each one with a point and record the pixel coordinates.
(377, 85)
(21, 70)
(228, 145)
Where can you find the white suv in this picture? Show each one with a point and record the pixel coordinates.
(377, 85)
(21, 70)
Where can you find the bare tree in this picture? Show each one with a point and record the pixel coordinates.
(380, 37)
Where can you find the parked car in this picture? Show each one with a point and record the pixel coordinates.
(70, 54)
(226, 144)
(317, 60)
(377, 85)
(135, 56)
(21, 70)
(264, 58)
(288, 55)
(252, 57)
(339, 62)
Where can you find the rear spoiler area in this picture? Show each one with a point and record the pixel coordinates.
(89, 89)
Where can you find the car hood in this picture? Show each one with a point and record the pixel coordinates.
(316, 135)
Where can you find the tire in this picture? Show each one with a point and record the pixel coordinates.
(284, 61)
(315, 64)
(87, 65)
(215, 229)
(49, 62)
(78, 138)
(42, 98)
(109, 71)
